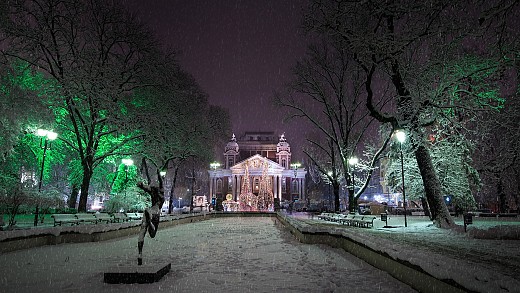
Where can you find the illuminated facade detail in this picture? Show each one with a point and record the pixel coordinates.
(256, 172)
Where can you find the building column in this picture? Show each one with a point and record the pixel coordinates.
(300, 186)
(304, 196)
(211, 187)
(273, 186)
(280, 188)
(239, 186)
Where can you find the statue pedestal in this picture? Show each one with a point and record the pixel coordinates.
(128, 274)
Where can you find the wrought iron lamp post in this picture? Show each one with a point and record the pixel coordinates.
(295, 167)
(46, 137)
(401, 137)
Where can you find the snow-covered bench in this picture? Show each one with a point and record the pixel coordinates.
(86, 218)
(103, 217)
(366, 222)
(120, 217)
(349, 220)
(326, 216)
(135, 216)
(60, 219)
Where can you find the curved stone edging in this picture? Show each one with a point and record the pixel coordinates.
(408, 274)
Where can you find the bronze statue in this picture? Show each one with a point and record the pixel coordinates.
(151, 215)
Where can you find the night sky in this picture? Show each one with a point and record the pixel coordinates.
(240, 52)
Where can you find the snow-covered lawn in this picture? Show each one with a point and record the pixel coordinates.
(217, 255)
(252, 254)
(486, 258)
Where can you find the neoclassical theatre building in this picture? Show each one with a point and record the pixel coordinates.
(257, 172)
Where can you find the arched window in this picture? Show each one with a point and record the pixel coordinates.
(219, 185)
(284, 163)
(230, 161)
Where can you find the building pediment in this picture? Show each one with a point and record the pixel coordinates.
(256, 163)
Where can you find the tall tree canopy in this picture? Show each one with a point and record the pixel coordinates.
(441, 59)
(112, 91)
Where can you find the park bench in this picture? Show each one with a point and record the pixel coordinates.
(135, 216)
(103, 217)
(60, 219)
(86, 218)
(366, 222)
(350, 220)
(120, 217)
(337, 217)
(325, 216)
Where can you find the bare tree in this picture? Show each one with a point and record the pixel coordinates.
(326, 91)
(427, 53)
(182, 128)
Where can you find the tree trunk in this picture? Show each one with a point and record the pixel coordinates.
(73, 196)
(336, 197)
(352, 201)
(432, 187)
(516, 195)
(501, 195)
(85, 183)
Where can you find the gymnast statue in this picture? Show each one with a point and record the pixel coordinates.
(151, 215)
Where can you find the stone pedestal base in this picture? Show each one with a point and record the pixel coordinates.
(136, 274)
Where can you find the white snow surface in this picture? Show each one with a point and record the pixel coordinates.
(486, 258)
(256, 254)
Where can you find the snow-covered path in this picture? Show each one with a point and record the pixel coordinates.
(219, 255)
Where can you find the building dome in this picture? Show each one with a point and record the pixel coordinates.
(232, 144)
(283, 145)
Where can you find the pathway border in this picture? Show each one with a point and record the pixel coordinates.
(403, 271)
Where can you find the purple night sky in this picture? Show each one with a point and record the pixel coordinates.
(240, 52)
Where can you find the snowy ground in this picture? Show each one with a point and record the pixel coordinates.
(473, 259)
(218, 255)
(255, 254)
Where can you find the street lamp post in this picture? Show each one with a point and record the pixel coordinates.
(46, 136)
(127, 163)
(401, 137)
(213, 186)
(180, 198)
(330, 184)
(353, 162)
(295, 167)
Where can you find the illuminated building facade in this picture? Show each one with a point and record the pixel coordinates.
(257, 172)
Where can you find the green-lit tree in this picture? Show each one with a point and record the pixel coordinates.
(95, 52)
